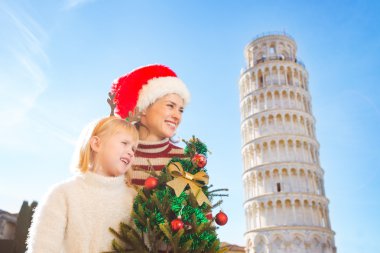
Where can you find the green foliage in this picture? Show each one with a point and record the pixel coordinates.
(153, 211)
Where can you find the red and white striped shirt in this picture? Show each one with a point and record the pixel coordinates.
(155, 154)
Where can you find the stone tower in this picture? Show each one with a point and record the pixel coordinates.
(285, 204)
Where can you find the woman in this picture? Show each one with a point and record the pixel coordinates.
(159, 96)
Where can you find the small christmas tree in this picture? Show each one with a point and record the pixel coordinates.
(172, 212)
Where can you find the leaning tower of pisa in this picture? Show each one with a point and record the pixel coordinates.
(285, 204)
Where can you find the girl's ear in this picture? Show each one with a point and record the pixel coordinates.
(95, 143)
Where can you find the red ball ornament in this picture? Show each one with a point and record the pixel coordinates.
(209, 215)
(151, 183)
(199, 160)
(176, 224)
(221, 218)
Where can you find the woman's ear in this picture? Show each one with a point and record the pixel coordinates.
(95, 143)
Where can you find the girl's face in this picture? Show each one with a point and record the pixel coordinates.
(162, 118)
(114, 154)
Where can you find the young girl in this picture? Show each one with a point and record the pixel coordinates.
(76, 214)
(160, 96)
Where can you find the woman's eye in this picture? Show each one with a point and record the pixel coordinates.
(171, 106)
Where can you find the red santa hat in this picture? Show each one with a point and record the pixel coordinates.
(143, 86)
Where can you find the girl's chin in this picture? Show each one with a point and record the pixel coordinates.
(121, 171)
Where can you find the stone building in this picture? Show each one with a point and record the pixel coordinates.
(8, 223)
(285, 204)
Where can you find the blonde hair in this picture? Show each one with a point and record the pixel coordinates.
(103, 128)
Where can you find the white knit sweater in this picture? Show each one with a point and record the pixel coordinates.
(76, 215)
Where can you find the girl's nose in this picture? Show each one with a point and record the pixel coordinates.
(131, 153)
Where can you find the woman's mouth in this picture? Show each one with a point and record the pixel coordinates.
(171, 124)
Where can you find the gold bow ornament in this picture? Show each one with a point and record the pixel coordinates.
(183, 178)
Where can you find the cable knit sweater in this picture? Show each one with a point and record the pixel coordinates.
(158, 154)
(75, 216)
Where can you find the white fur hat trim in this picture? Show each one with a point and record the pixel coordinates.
(159, 87)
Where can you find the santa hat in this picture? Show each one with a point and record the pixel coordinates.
(143, 86)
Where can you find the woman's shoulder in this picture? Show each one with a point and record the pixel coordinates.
(176, 150)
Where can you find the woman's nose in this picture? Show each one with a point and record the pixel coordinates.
(177, 115)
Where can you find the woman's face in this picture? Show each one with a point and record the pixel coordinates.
(162, 118)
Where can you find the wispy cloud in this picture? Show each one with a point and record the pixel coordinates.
(44, 123)
(22, 75)
(23, 78)
(32, 35)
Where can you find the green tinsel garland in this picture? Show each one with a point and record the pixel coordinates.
(194, 146)
(206, 237)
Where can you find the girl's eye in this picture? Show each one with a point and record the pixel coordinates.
(171, 105)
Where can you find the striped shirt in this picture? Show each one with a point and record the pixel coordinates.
(155, 155)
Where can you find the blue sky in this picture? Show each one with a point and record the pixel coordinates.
(59, 58)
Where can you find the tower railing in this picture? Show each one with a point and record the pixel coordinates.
(280, 58)
(274, 58)
(272, 33)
